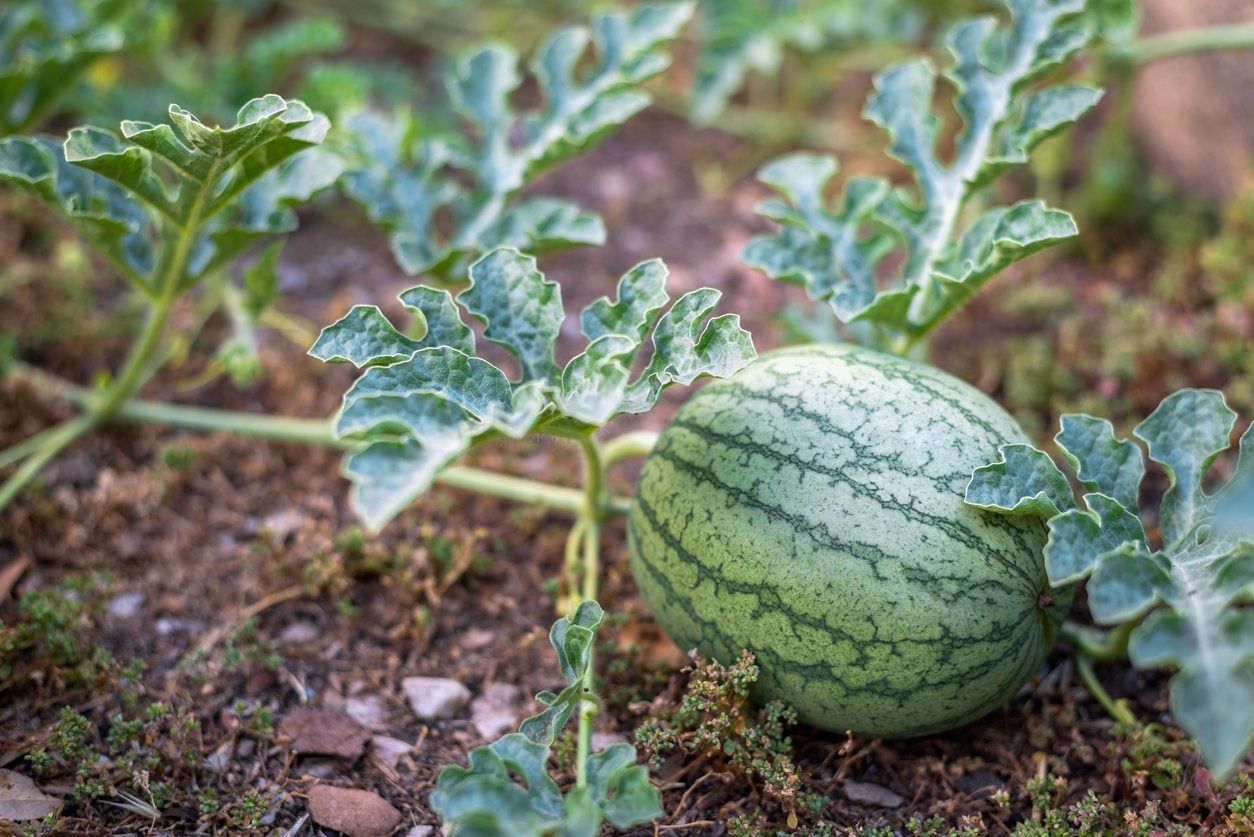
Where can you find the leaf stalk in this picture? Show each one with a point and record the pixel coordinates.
(1183, 42)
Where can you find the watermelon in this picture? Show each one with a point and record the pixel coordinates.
(810, 509)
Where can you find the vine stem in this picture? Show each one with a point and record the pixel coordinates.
(594, 511)
(1093, 645)
(51, 443)
(1117, 709)
(304, 431)
(628, 446)
(1184, 41)
(1102, 646)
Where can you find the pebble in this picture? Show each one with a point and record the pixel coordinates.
(324, 732)
(356, 813)
(388, 750)
(421, 831)
(601, 740)
(476, 638)
(167, 625)
(878, 796)
(495, 711)
(125, 605)
(367, 710)
(435, 698)
(298, 633)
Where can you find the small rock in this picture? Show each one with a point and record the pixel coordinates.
(21, 801)
(387, 750)
(283, 523)
(125, 605)
(168, 625)
(476, 638)
(319, 767)
(866, 793)
(495, 711)
(420, 831)
(324, 732)
(298, 633)
(357, 813)
(435, 698)
(367, 710)
(220, 759)
(601, 740)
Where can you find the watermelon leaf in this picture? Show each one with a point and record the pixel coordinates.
(420, 403)
(169, 204)
(835, 253)
(1191, 597)
(507, 789)
(407, 181)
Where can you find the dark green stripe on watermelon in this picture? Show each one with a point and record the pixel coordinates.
(810, 509)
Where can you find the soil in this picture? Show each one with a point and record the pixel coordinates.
(211, 529)
(1186, 103)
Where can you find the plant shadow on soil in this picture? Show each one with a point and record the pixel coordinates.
(460, 586)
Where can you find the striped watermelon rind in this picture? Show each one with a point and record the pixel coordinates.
(810, 509)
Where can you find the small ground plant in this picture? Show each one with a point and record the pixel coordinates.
(486, 797)
(717, 722)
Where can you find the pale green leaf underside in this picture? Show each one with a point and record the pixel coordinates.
(835, 253)
(1195, 593)
(424, 401)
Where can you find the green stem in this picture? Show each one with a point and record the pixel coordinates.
(628, 446)
(52, 443)
(139, 365)
(1117, 709)
(309, 432)
(595, 509)
(1185, 41)
(1103, 646)
(31, 444)
(135, 371)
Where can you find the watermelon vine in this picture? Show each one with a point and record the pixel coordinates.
(407, 181)
(423, 402)
(838, 254)
(1184, 605)
(170, 207)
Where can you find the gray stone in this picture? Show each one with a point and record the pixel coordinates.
(435, 698)
(495, 711)
(877, 796)
(125, 605)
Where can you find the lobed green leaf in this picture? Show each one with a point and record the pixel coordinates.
(205, 195)
(1192, 596)
(404, 378)
(408, 182)
(835, 254)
